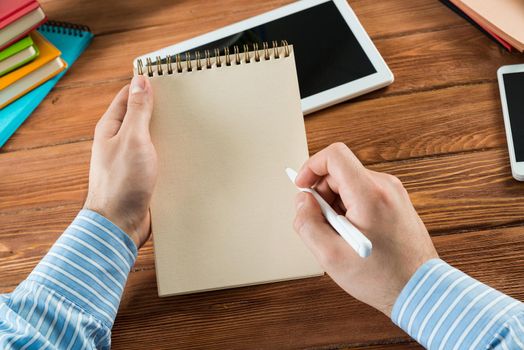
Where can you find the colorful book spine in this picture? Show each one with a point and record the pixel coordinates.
(71, 40)
(17, 19)
(18, 54)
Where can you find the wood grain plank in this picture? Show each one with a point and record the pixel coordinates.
(444, 101)
(26, 236)
(450, 192)
(453, 56)
(389, 128)
(414, 125)
(379, 18)
(420, 62)
(55, 122)
(456, 55)
(404, 346)
(306, 313)
(314, 311)
(298, 314)
(461, 192)
(108, 16)
(382, 18)
(111, 52)
(44, 178)
(466, 173)
(255, 317)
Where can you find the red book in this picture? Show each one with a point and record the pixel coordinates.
(17, 18)
(11, 10)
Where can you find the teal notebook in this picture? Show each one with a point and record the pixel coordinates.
(72, 40)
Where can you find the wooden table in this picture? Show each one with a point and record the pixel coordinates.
(438, 127)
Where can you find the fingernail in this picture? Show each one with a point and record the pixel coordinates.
(138, 84)
(301, 199)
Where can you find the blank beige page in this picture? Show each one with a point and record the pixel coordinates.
(223, 207)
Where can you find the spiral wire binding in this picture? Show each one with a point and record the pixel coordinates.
(64, 28)
(175, 64)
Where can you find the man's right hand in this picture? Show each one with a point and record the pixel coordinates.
(380, 207)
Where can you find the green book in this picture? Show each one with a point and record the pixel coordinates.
(17, 55)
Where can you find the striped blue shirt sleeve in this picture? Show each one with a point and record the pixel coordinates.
(70, 300)
(443, 308)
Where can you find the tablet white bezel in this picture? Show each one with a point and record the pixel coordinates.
(381, 78)
(517, 168)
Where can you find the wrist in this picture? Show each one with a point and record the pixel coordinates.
(137, 229)
(405, 277)
(413, 285)
(108, 227)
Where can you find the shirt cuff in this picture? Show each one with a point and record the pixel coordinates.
(443, 308)
(89, 265)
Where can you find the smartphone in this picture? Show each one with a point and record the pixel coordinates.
(511, 84)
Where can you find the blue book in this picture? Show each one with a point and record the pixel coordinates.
(71, 40)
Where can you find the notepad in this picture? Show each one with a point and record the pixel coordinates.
(223, 208)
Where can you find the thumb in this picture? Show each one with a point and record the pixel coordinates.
(139, 107)
(318, 235)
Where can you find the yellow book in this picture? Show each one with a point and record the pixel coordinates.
(26, 78)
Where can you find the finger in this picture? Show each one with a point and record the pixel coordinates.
(329, 192)
(336, 160)
(325, 244)
(346, 173)
(325, 190)
(339, 206)
(111, 121)
(139, 107)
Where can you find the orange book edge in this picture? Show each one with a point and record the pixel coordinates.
(45, 79)
(47, 53)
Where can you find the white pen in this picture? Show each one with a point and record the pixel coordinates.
(340, 223)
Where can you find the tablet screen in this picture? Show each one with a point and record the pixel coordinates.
(514, 86)
(327, 53)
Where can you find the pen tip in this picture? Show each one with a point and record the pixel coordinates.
(365, 250)
(292, 174)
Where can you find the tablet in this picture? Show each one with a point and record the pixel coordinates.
(335, 58)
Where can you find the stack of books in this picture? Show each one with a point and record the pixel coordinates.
(33, 56)
(27, 59)
(502, 20)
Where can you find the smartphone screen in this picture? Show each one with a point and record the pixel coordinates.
(327, 53)
(514, 88)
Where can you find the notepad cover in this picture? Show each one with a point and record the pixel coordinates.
(223, 207)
